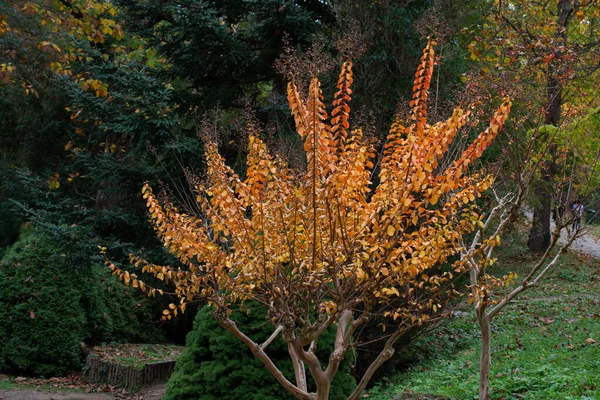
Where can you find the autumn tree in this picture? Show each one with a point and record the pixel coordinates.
(322, 246)
(549, 52)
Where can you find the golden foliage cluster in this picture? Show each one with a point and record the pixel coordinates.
(327, 238)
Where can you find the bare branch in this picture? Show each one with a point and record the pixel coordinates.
(527, 282)
(272, 337)
(259, 353)
(385, 354)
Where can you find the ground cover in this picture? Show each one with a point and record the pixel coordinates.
(130, 355)
(70, 383)
(545, 346)
(137, 355)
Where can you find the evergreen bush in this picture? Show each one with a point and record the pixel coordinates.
(216, 365)
(50, 306)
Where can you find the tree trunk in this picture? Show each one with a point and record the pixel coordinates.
(299, 371)
(323, 389)
(486, 351)
(539, 235)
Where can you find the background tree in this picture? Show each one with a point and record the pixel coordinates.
(552, 49)
(82, 111)
(222, 51)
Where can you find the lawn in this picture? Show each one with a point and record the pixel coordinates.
(545, 346)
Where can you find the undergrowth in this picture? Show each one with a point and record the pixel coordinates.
(546, 345)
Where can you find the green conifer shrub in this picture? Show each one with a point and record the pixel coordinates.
(216, 365)
(50, 306)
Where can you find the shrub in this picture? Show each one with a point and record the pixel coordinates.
(42, 320)
(51, 305)
(216, 365)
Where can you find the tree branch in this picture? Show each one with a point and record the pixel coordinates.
(272, 337)
(259, 353)
(385, 354)
(527, 282)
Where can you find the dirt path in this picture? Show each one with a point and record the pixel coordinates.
(153, 392)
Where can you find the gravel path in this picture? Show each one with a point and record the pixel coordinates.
(586, 244)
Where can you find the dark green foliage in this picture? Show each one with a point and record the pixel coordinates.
(11, 219)
(50, 306)
(220, 51)
(42, 322)
(216, 365)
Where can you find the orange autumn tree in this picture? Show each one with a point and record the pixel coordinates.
(325, 246)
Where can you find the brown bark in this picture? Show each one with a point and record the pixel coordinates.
(323, 390)
(485, 358)
(539, 234)
(259, 353)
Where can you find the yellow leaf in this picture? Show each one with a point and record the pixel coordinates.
(391, 230)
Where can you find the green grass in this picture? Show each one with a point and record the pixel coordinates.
(539, 342)
(7, 385)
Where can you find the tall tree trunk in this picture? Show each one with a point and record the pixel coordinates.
(486, 351)
(539, 235)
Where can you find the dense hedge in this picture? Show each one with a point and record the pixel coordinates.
(50, 307)
(216, 365)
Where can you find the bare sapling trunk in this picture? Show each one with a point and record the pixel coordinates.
(486, 352)
(505, 212)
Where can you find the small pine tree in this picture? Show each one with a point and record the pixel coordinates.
(216, 365)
